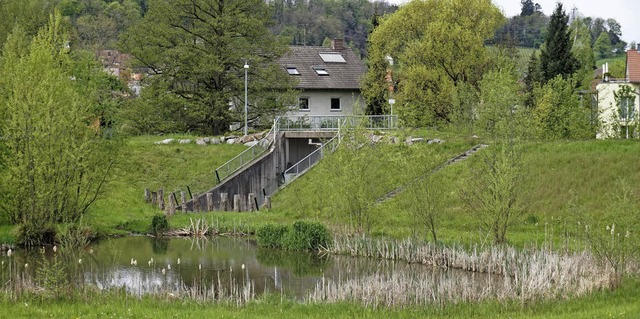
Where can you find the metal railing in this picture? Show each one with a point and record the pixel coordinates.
(247, 156)
(312, 159)
(334, 122)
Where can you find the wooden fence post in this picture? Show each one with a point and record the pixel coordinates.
(161, 198)
(183, 201)
(147, 195)
(209, 202)
(196, 203)
(224, 202)
(237, 199)
(172, 205)
(154, 198)
(250, 202)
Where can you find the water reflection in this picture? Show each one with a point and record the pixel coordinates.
(214, 266)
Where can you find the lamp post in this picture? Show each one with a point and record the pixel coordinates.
(391, 102)
(246, 105)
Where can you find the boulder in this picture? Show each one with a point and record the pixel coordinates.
(230, 140)
(201, 141)
(435, 141)
(165, 141)
(215, 141)
(184, 141)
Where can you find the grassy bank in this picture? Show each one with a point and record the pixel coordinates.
(621, 303)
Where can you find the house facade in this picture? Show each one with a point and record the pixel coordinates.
(619, 117)
(328, 79)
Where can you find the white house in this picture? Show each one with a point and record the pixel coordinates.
(328, 79)
(620, 118)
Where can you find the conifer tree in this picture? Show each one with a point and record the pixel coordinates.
(556, 57)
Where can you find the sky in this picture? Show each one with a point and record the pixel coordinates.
(624, 11)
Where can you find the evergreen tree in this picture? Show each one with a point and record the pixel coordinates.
(532, 78)
(556, 57)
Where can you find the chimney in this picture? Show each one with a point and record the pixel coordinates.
(337, 44)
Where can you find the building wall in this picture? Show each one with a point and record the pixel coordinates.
(608, 110)
(320, 102)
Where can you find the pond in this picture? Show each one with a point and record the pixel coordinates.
(223, 266)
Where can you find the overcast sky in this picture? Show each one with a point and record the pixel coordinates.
(626, 12)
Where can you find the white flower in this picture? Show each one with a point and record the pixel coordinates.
(200, 266)
(178, 261)
(169, 266)
(26, 265)
(80, 261)
(613, 228)
(55, 248)
(242, 267)
(9, 253)
(164, 272)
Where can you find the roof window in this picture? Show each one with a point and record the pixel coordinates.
(320, 70)
(332, 58)
(292, 70)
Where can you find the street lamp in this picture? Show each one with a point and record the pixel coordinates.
(246, 106)
(391, 102)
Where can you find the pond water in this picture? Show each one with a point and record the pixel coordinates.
(149, 265)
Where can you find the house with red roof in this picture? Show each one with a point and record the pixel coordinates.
(327, 78)
(619, 111)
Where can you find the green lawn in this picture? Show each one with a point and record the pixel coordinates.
(620, 303)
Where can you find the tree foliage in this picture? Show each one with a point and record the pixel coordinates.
(56, 162)
(196, 51)
(436, 45)
(556, 56)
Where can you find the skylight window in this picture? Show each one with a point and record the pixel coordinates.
(320, 70)
(332, 58)
(292, 70)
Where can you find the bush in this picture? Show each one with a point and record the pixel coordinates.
(301, 236)
(159, 224)
(270, 236)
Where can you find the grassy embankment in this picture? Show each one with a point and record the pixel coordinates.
(620, 303)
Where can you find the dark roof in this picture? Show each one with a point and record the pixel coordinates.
(633, 66)
(342, 75)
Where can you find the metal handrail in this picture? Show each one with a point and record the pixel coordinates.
(333, 122)
(312, 159)
(235, 164)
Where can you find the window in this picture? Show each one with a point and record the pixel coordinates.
(335, 104)
(320, 70)
(303, 103)
(332, 57)
(627, 109)
(292, 70)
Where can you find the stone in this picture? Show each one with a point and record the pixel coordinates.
(435, 141)
(417, 139)
(206, 139)
(231, 141)
(376, 138)
(215, 141)
(165, 141)
(184, 141)
(252, 143)
(201, 142)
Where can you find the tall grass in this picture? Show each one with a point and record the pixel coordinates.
(523, 275)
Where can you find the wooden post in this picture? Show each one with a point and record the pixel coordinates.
(147, 195)
(237, 202)
(250, 202)
(161, 198)
(172, 205)
(209, 202)
(267, 202)
(224, 202)
(183, 201)
(196, 203)
(154, 198)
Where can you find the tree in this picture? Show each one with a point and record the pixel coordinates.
(196, 50)
(602, 46)
(532, 79)
(556, 57)
(56, 162)
(436, 45)
(582, 50)
(529, 8)
(426, 205)
(496, 193)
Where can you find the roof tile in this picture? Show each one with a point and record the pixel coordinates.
(341, 75)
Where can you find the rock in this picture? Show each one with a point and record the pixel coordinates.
(252, 143)
(223, 139)
(165, 141)
(231, 141)
(376, 138)
(206, 139)
(215, 141)
(435, 141)
(409, 141)
(184, 141)
(201, 141)
(417, 139)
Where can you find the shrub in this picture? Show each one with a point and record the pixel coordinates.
(270, 236)
(159, 224)
(301, 236)
(305, 236)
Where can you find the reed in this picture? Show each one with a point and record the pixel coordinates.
(524, 275)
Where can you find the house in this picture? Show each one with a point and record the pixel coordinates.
(328, 79)
(619, 117)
